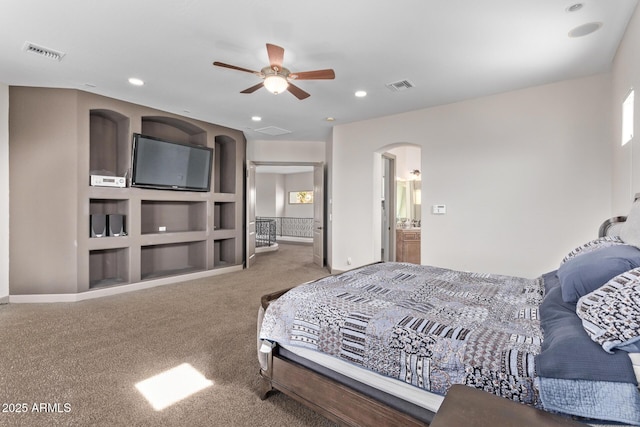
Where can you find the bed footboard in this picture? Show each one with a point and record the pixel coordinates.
(328, 397)
(331, 399)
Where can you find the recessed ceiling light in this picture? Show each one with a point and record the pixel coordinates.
(330, 119)
(136, 82)
(574, 7)
(256, 118)
(585, 29)
(361, 94)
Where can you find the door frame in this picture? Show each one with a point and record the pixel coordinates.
(389, 211)
(250, 207)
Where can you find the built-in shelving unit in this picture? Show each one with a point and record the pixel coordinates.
(167, 234)
(175, 229)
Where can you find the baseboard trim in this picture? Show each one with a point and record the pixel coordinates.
(118, 289)
(263, 249)
(4, 300)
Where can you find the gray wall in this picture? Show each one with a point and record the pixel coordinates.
(44, 190)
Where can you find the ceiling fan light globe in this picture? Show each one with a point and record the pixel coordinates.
(276, 84)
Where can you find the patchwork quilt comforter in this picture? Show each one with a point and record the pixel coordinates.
(427, 326)
(430, 327)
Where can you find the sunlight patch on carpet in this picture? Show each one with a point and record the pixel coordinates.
(173, 385)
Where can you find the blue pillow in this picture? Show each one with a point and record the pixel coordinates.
(586, 273)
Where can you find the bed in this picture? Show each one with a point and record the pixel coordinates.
(382, 344)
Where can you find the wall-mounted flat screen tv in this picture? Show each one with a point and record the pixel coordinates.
(166, 165)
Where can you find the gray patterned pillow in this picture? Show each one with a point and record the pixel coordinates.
(611, 313)
(601, 242)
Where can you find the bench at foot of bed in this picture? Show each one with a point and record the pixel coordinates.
(470, 407)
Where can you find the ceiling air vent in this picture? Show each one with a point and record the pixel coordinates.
(400, 85)
(273, 131)
(43, 51)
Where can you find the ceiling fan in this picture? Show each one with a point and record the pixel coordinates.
(276, 78)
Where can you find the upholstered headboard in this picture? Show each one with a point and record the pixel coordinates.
(611, 227)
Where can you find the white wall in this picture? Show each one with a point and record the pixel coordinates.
(626, 160)
(286, 151)
(4, 193)
(525, 176)
(269, 194)
(407, 159)
(272, 194)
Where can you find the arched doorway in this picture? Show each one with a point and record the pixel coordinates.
(400, 216)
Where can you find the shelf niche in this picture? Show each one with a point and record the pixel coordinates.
(224, 252)
(175, 216)
(172, 259)
(224, 167)
(224, 216)
(109, 206)
(174, 130)
(108, 267)
(109, 140)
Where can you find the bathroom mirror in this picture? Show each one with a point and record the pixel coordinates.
(408, 202)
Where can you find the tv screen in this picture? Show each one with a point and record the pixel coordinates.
(169, 165)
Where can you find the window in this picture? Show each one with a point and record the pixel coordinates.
(627, 118)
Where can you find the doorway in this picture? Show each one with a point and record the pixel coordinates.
(401, 203)
(285, 206)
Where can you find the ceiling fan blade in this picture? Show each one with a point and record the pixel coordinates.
(314, 75)
(276, 55)
(297, 92)
(253, 88)
(233, 67)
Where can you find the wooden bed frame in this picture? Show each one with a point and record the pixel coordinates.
(330, 398)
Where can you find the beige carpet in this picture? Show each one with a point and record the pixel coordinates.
(82, 360)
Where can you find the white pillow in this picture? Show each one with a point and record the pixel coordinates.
(630, 229)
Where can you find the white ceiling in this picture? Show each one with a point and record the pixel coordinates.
(449, 49)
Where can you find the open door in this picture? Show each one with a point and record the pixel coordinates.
(318, 214)
(251, 214)
(388, 206)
